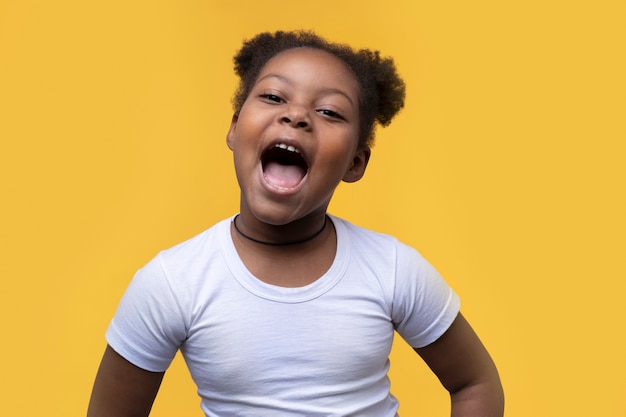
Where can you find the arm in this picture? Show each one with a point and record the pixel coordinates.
(122, 389)
(464, 367)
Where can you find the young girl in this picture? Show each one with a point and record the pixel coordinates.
(283, 309)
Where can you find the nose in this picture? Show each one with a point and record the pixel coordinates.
(296, 116)
(300, 124)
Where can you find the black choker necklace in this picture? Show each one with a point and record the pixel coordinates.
(296, 242)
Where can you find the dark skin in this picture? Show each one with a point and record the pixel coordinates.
(296, 101)
(457, 358)
(300, 264)
(122, 389)
(465, 369)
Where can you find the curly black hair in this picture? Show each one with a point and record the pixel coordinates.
(382, 90)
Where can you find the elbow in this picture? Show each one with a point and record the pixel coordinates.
(483, 398)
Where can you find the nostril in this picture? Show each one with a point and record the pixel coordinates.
(301, 124)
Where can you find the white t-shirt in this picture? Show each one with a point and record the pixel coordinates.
(255, 349)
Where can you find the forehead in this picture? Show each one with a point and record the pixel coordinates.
(313, 65)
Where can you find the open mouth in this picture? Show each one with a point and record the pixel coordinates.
(283, 166)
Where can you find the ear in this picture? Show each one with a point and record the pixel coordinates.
(356, 171)
(230, 136)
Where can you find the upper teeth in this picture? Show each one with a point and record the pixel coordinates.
(286, 147)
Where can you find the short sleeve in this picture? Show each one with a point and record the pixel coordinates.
(148, 326)
(424, 305)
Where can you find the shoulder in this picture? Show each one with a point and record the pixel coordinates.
(376, 246)
(197, 249)
(184, 265)
(360, 236)
(382, 256)
(201, 241)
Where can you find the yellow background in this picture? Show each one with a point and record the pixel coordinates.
(506, 170)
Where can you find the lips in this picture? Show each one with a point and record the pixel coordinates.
(284, 167)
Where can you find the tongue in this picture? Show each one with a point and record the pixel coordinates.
(286, 176)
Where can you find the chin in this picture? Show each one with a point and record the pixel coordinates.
(272, 215)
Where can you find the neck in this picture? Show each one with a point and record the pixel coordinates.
(280, 243)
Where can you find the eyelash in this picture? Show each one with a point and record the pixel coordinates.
(272, 97)
(326, 112)
(331, 113)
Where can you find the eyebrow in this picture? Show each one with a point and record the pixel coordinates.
(324, 91)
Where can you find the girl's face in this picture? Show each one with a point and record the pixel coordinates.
(296, 136)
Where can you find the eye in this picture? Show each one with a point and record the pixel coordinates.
(272, 98)
(331, 113)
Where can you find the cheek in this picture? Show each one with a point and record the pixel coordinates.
(344, 148)
(338, 160)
